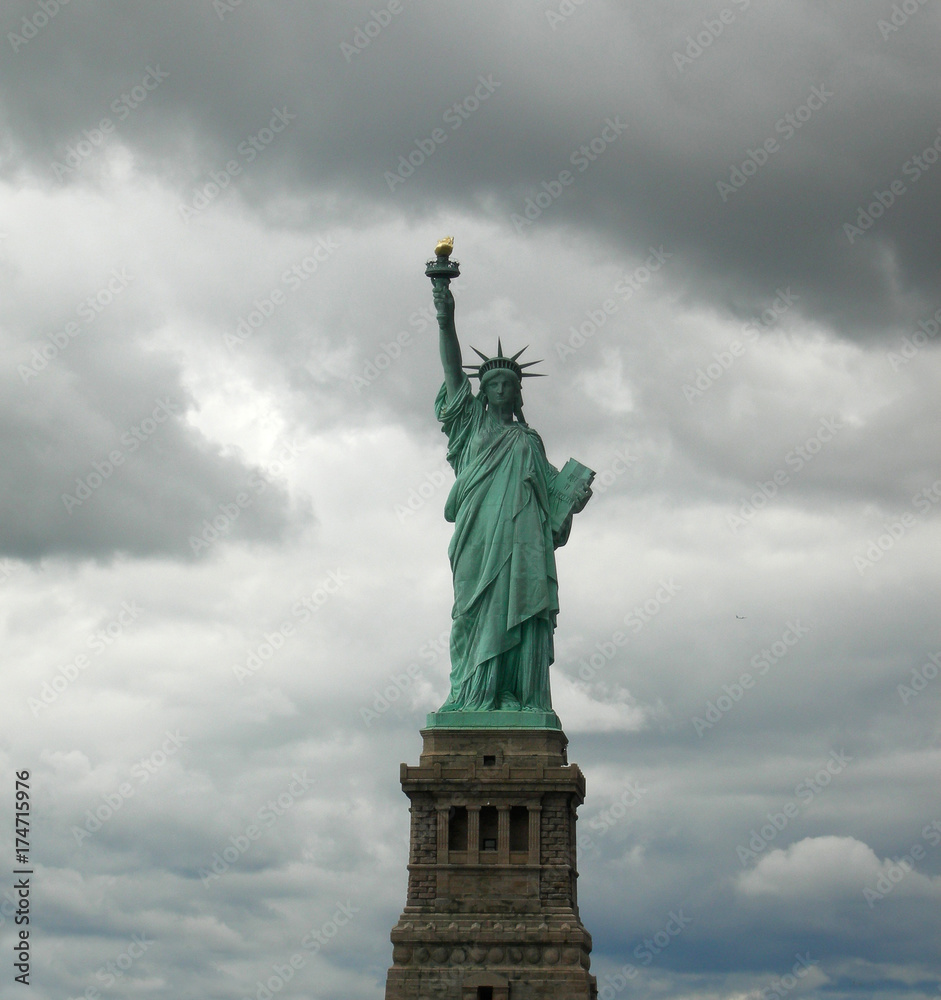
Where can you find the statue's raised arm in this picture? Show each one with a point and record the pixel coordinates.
(447, 335)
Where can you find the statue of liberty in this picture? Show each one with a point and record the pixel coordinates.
(511, 509)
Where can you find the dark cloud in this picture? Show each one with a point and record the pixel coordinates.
(98, 461)
(861, 109)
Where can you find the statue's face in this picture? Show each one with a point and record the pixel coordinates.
(501, 387)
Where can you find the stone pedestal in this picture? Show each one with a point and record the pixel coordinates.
(492, 912)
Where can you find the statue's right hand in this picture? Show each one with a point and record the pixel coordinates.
(444, 301)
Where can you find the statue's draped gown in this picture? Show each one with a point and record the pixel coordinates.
(502, 557)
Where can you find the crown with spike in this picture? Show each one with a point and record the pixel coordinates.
(502, 363)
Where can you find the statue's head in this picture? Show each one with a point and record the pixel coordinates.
(500, 384)
(502, 377)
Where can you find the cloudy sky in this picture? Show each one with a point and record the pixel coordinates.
(223, 555)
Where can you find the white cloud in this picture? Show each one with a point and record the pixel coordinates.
(824, 867)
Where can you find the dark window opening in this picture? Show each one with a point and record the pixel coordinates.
(519, 828)
(490, 761)
(457, 828)
(488, 828)
(484, 993)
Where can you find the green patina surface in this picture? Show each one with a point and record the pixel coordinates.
(493, 720)
(502, 552)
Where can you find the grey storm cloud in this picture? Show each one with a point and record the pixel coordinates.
(718, 156)
(97, 465)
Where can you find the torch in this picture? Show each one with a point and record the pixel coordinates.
(441, 266)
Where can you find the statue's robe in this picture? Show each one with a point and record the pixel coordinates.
(502, 557)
